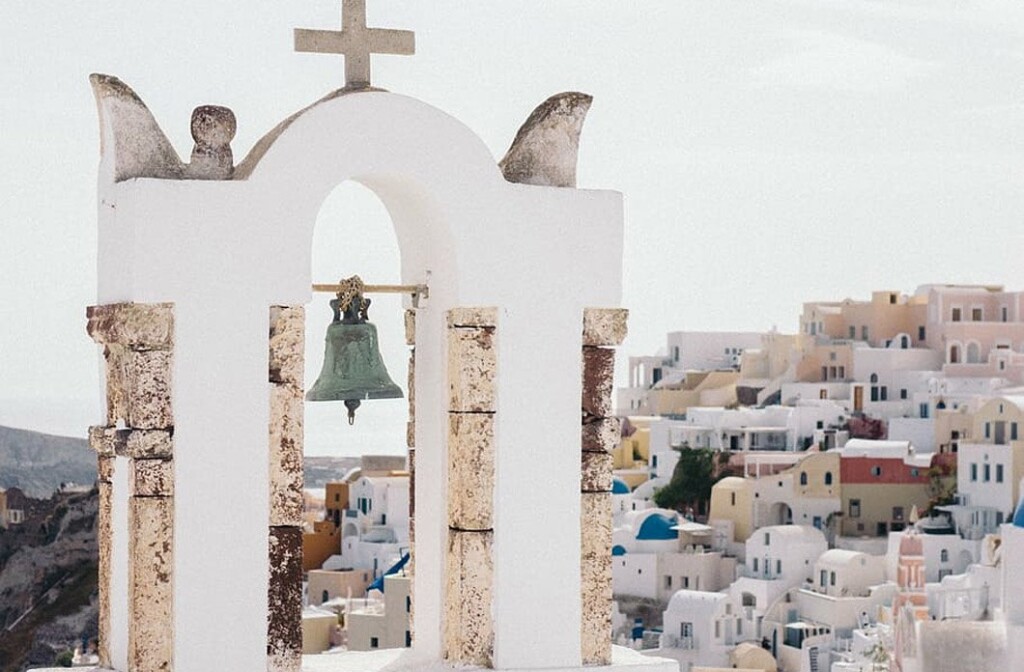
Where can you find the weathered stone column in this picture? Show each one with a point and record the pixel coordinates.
(472, 364)
(138, 342)
(284, 619)
(600, 434)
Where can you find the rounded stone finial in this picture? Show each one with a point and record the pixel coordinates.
(213, 126)
(213, 129)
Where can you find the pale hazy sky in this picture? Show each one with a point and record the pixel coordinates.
(769, 152)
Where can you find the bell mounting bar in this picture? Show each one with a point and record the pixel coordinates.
(416, 291)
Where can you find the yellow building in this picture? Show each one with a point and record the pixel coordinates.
(629, 458)
(732, 499)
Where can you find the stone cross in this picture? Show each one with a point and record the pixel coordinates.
(356, 42)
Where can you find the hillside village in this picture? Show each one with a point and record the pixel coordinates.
(860, 510)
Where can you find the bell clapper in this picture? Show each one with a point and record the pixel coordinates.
(352, 405)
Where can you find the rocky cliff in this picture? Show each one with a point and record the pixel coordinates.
(48, 581)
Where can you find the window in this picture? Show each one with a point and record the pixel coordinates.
(686, 579)
(832, 578)
(732, 496)
(1013, 431)
(974, 472)
(999, 473)
(956, 314)
(842, 372)
(915, 472)
(944, 556)
(1004, 314)
(408, 639)
(920, 333)
(864, 332)
(803, 478)
(755, 565)
(668, 581)
(903, 393)
(374, 643)
(854, 509)
(884, 393)
(988, 473)
(923, 409)
(686, 630)
(988, 430)
(324, 597)
(876, 470)
(853, 332)
(832, 356)
(828, 478)
(975, 314)
(408, 604)
(767, 539)
(892, 299)
(718, 629)
(675, 352)
(897, 513)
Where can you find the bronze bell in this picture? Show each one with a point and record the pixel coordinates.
(353, 368)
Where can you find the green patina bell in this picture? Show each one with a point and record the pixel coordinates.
(353, 368)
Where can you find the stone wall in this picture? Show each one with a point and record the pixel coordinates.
(600, 434)
(285, 375)
(138, 345)
(469, 569)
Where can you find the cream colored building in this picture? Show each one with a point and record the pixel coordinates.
(318, 626)
(325, 585)
(386, 625)
(991, 464)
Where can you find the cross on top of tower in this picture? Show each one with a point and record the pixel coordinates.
(356, 42)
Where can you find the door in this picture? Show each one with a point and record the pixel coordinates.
(1000, 433)
(858, 398)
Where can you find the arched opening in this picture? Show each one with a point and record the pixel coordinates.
(828, 478)
(803, 478)
(973, 353)
(954, 354)
(354, 235)
(749, 600)
(781, 514)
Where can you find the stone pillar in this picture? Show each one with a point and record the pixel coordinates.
(286, 369)
(472, 363)
(602, 328)
(138, 342)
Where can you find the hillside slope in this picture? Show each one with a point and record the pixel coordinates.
(39, 463)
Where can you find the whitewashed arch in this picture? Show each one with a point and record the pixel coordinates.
(223, 251)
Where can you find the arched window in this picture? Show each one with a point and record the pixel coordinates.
(749, 600)
(973, 353)
(944, 556)
(954, 354)
(874, 377)
(325, 597)
(828, 478)
(803, 478)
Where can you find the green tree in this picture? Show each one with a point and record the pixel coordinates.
(692, 479)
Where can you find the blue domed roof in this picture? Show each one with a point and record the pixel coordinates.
(1018, 518)
(657, 527)
(619, 487)
(618, 549)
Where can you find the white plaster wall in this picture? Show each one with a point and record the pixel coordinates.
(635, 575)
(999, 496)
(702, 350)
(225, 251)
(919, 431)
